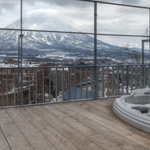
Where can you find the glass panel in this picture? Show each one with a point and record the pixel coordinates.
(10, 14)
(72, 16)
(8, 48)
(58, 49)
(112, 50)
(122, 20)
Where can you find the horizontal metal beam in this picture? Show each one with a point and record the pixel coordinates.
(59, 102)
(44, 31)
(89, 66)
(109, 3)
(127, 35)
(147, 40)
(102, 34)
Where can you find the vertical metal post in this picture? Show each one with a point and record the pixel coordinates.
(18, 89)
(18, 70)
(117, 80)
(92, 81)
(21, 30)
(36, 89)
(149, 76)
(43, 86)
(144, 84)
(107, 81)
(149, 52)
(97, 69)
(86, 83)
(68, 83)
(63, 84)
(29, 87)
(141, 77)
(50, 85)
(7, 87)
(142, 64)
(112, 81)
(56, 85)
(122, 80)
(80, 83)
(21, 59)
(136, 74)
(74, 83)
(21, 86)
(95, 48)
(149, 39)
(127, 79)
(18, 52)
(14, 87)
(102, 81)
(131, 78)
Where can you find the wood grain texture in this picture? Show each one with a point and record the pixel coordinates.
(85, 125)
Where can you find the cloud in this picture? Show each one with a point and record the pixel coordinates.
(80, 15)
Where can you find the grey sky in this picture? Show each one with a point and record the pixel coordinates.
(79, 15)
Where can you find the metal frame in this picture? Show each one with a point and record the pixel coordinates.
(105, 70)
(20, 67)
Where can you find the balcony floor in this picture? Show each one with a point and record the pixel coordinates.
(88, 125)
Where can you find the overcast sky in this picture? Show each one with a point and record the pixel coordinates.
(79, 15)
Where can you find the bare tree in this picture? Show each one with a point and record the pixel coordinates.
(147, 32)
(135, 56)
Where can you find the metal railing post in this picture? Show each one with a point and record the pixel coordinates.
(68, 83)
(62, 83)
(14, 87)
(92, 81)
(21, 86)
(56, 84)
(75, 83)
(122, 80)
(107, 81)
(6, 87)
(112, 81)
(95, 49)
(141, 77)
(29, 88)
(43, 86)
(117, 80)
(136, 74)
(131, 78)
(80, 83)
(50, 85)
(86, 83)
(102, 81)
(36, 89)
(127, 79)
(149, 76)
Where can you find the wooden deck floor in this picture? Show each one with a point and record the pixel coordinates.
(88, 125)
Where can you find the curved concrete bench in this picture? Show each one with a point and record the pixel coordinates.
(123, 108)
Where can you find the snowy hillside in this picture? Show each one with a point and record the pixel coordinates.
(39, 44)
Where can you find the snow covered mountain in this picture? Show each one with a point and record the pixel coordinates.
(40, 44)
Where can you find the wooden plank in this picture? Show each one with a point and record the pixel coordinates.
(90, 134)
(37, 140)
(109, 134)
(13, 135)
(114, 119)
(144, 142)
(57, 139)
(99, 107)
(80, 141)
(118, 120)
(3, 142)
(93, 110)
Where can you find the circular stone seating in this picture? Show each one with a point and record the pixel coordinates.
(134, 109)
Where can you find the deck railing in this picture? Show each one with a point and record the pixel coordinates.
(43, 85)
